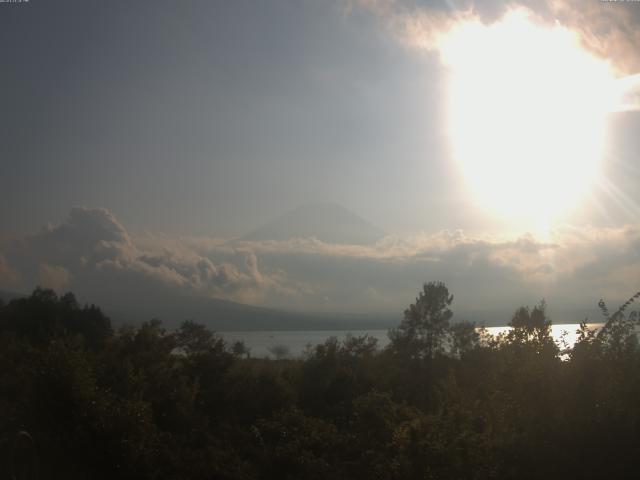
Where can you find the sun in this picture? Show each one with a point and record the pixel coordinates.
(527, 110)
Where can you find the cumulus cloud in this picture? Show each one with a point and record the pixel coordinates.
(91, 249)
(9, 278)
(575, 266)
(414, 25)
(608, 29)
(92, 254)
(52, 276)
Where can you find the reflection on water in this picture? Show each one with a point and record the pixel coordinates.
(564, 334)
(261, 343)
(296, 342)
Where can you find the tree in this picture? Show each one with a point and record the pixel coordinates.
(618, 336)
(531, 321)
(240, 349)
(279, 351)
(464, 337)
(194, 338)
(423, 331)
(43, 316)
(532, 327)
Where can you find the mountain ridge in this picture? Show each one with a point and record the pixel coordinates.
(328, 222)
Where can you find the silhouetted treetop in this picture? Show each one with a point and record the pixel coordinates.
(423, 331)
(43, 315)
(441, 401)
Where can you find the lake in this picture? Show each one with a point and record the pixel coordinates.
(260, 342)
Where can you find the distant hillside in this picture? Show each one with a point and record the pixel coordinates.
(222, 315)
(328, 222)
(7, 296)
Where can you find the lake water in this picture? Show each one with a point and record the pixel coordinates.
(296, 342)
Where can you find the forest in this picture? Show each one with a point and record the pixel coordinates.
(82, 399)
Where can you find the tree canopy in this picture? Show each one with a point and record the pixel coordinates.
(80, 399)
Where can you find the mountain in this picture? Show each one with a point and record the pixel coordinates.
(328, 222)
(220, 315)
(6, 296)
(223, 315)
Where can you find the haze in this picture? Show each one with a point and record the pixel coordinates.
(299, 156)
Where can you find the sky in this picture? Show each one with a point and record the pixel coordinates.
(140, 140)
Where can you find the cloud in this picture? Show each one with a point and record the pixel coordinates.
(52, 276)
(608, 29)
(9, 278)
(92, 254)
(415, 26)
(574, 266)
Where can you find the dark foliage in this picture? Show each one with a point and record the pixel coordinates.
(79, 400)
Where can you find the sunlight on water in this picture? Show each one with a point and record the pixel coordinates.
(261, 343)
(296, 342)
(564, 334)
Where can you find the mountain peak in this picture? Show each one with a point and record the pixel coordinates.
(328, 222)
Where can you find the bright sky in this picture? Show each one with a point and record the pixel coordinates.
(456, 127)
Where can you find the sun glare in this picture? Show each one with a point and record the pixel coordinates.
(527, 113)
